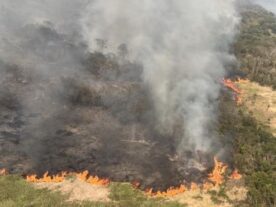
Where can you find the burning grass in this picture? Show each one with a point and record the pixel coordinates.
(84, 176)
(236, 90)
(129, 194)
(216, 178)
(126, 195)
(15, 191)
(77, 136)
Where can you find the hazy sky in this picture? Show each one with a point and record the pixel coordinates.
(268, 4)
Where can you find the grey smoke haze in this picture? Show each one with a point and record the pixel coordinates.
(183, 46)
(19, 23)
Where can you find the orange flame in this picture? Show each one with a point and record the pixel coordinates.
(207, 186)
(172, 191)
(84, 176)
(95, 180)
(235, 175)
(217, 176)
(135, 184)
(46, 178)
(232, 86)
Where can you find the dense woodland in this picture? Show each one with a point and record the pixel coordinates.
(254, 145)
(254, 149)
(255, 47)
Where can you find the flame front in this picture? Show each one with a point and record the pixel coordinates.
(46, 178)
(84, 176)
(136, 184)
(94, 180)
(172, 191)
(235, 175)
(217, 176)
(215, 179)
(232, 86)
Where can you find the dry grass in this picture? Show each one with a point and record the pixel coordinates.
(228, 195)
(126, 195)
(260, 102)
(78, 190)
(17, 192)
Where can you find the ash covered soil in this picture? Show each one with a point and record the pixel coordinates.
(96, 115)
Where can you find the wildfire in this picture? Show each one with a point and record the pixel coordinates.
(232, 86)
(217, 176)
(84, 176)
(172, 191)
(46, 178)
(235, 175)
(135, 184)
(94, 180)
(207, 186)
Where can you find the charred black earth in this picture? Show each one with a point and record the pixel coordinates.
(97, 117)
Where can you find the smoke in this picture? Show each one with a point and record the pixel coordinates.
(183, 47)
(35, 53)
(110, 85)
(40, 44)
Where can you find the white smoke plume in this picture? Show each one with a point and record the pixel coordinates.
(183, 46)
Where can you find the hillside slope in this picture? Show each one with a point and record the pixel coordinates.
(250, 126)
(255, 47)
(260, 102)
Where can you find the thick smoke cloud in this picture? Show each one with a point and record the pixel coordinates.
(20, 36)
(40, 40)
(38, 47)
(183, 47)
(108, 85)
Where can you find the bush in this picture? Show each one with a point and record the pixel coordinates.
(255, 45)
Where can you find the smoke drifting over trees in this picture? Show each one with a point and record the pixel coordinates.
(93, 84)
(183, 47)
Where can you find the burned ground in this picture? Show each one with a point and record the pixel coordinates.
(97, 115)
(102, 126)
